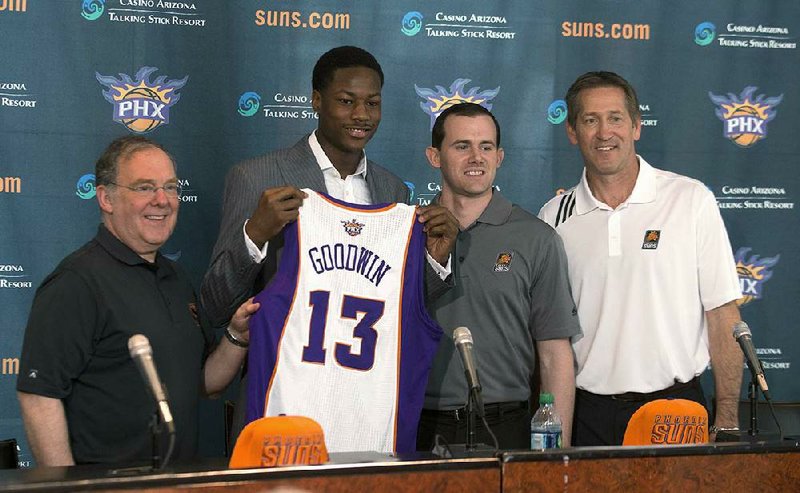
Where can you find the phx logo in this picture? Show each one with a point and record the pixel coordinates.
(141, 105)
(753, 272)
(441, 99)
(745, 118)
(503, 262)
(352, 227)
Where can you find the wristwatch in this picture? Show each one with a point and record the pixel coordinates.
(714, 429)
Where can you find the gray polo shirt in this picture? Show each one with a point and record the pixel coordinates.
(511, 289)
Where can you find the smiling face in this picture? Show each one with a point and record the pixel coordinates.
(605, 132)
(349, 109)
(143, 222)
(468, 157)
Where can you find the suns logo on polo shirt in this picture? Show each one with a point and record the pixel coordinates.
(503, 262)
(651, 239)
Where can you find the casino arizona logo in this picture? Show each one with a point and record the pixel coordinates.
(441, 99)
(745, 117)
(140, 105)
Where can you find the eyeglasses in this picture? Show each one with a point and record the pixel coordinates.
(149, 190)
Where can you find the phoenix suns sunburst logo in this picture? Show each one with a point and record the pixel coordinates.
(753, 271)
(139, 104)
(352, 227)
(441, 99)
(745, 117)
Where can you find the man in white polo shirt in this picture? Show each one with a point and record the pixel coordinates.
(651, 269)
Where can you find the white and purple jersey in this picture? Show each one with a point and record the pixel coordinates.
(342, 335)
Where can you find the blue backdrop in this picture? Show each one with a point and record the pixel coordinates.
(218, 81)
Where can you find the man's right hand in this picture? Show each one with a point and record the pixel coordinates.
(277, 207)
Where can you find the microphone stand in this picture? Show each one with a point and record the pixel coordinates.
(470, 445)
(155, 436)
(752, 393)
(752, 435)
(156, 463)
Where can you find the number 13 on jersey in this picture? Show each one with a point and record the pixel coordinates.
(364, 329)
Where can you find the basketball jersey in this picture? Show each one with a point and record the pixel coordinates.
(342, 335)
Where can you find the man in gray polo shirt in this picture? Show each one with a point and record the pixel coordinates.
(512, 292)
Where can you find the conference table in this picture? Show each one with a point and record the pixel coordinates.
(769, 466)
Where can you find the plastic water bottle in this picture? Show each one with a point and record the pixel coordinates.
(545, 425)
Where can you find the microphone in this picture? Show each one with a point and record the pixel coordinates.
(742, 334)
(462, 338)
(142, 354)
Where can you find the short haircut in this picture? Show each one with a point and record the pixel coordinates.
(106, 168)
(592, 80)
(460, 109)
(342, 57)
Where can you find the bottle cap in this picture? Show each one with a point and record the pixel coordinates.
(545, 398)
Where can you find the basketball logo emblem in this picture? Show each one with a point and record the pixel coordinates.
(435, 102)
(745, 117)
(141, 105)
(753, 272)
(651, 239)
(352, 227)
(503, 262)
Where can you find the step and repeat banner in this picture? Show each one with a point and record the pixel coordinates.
(218, 81)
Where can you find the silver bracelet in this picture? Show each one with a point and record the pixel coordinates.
(233, 340)
(714, 429)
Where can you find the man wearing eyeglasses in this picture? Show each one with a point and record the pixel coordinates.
(82, 398)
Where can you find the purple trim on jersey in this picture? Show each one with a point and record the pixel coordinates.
(418, 345)
(267, 324)
(348, 205)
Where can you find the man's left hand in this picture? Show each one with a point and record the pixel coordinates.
(240, 323)
(441, 227)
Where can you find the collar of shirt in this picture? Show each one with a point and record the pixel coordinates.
(352, 188)
(496, 212)
(124, 254)
(644, 190)
(326, 165)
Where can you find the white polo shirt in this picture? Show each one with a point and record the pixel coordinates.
(643, 277)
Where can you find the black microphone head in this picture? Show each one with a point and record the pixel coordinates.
(462, 335)
(139, 345)
(740, 329)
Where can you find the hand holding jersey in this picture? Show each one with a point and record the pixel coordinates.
(441, 228)
(276, 208)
